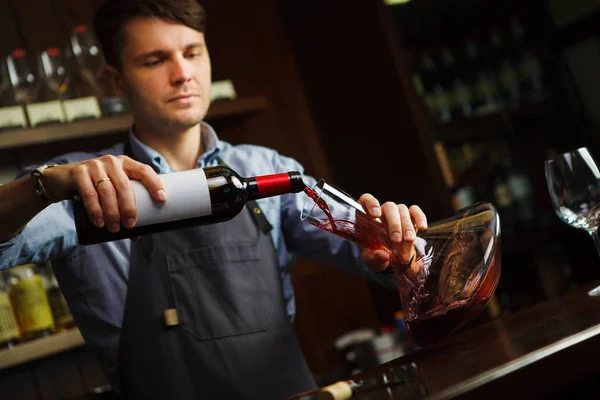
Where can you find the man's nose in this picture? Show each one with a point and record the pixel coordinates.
(181, 71)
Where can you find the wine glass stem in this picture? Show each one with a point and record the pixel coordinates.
(596, 238)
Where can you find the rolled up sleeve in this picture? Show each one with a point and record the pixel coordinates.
(50, 234)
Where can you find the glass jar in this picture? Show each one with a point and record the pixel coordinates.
(30, 302)
(9, 329)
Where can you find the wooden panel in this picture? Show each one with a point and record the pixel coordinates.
(40, 348)
(58, 377)
(329, 303)
(9, 34)
(92, 375)
(373, 126)
(258, 58)
(74, 12)
(532, 354)
(39, 25)
(18, 384)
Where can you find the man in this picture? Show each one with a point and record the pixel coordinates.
(195, 313)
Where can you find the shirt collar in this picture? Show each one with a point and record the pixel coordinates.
(147, 155)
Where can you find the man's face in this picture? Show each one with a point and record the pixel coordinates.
(166, 74)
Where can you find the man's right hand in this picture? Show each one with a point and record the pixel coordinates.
(109, 201)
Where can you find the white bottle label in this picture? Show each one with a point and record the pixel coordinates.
(187, 197)
(48, 111)
(85, 107)
(12, 117)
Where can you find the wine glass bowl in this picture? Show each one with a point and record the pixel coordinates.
(22, 77)
(574, 185)
(573, 181)
(454, 273)
(52, 69)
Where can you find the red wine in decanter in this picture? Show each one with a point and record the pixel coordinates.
(432, 327)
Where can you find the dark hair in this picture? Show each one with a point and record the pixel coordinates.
(112, 16)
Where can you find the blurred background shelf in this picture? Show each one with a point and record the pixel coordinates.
(40, 348)
(91, 128)
(492, 126)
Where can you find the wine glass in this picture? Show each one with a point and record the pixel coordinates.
(22, 77)
(53, 75)
(573, 181)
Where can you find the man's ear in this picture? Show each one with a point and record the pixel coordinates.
(116, 80)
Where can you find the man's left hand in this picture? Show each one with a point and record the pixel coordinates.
(402, 223)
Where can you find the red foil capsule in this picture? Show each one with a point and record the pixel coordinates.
(271, 185)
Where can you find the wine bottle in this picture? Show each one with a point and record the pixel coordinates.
(405, 375)
(508, 75)
(486, 96)
(530, 66)
(195, 197)
(456, 84)
(440, 100)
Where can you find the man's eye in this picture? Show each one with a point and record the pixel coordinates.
(192, 55)
(152, 63)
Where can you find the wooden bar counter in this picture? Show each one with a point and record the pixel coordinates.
(546, 351)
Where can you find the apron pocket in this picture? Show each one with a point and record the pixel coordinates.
(221, 291)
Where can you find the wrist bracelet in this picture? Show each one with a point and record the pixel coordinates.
(36, 174)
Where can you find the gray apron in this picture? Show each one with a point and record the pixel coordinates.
(228, 335)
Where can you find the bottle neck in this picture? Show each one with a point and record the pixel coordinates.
(274, 185)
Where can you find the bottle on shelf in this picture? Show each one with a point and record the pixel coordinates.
(500, 191)
(47, 108)
(418, 80)
(529, 65)
(195, 197)
(63, 319)
(507, 72)
(467, 194)
(455, 83)
(12, 113)
(9, 330)
(30, 302)
(521, 192)
(486, 92)
(440, 99)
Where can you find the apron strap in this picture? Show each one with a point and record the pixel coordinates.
(257, 215)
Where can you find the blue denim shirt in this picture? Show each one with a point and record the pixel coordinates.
(94, 278)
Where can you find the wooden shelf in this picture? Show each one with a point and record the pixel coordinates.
(494, 126)
(482, 128)
(40, 348)
(76, 130)
(242, 106)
